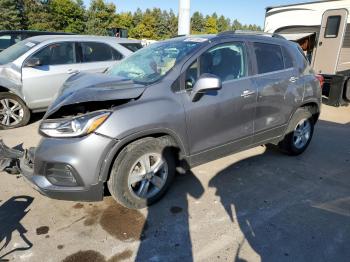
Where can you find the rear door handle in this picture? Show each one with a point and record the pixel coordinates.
(247, 93)
(293, 79)
(72, 71)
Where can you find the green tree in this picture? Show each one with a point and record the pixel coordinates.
(11, 14)
(38, 16)
(146, 28)
(100, 15)
(197, 23)
(211, 25)
(236, 25)
(137, 17)
(123, 20)
(224, 24)
(69, 15)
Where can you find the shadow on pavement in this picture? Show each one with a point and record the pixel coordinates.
(293, 208)
(36, 117)
(11, 214)
(166, 233)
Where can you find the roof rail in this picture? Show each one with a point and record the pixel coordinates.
(249, 32)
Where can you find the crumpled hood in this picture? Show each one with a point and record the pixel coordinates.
(86, 87)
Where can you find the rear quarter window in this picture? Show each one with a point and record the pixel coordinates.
(269, 57)
(133, 47)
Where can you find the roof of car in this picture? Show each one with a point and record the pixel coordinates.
(238, 34)
(42, 38)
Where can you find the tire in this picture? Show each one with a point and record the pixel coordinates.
(299, 133)
(347, 91)
(127, 164)
(20, 116)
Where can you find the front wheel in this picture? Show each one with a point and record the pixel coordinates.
(142, 172)
(13, 111)
(299, 133)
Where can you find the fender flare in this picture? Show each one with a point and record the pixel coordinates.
(120, 144)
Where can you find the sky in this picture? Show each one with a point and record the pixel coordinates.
(246, 11)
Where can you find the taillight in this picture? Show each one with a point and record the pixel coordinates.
(321, 79)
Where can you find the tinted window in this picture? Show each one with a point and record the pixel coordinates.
(96, 52)
(269, 57)
(288, 59)
(133, 47)
(57, 54)
(227, 61)
(16, 38)
(116, 55)
(5, 41)
(332, 27)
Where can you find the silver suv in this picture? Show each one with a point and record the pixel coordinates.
(180, 102)
(32, 71)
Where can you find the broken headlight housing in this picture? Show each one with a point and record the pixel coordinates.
(74, 126)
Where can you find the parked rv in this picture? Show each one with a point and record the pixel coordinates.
(321, 28)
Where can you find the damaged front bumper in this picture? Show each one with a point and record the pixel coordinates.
(51, 177)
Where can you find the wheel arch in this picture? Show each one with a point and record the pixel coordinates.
(4, 89)
(314, 109)
(121, 144)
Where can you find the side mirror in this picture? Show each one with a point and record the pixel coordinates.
(33, 62)
(206, 82)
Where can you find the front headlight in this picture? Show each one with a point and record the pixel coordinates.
(75, 126)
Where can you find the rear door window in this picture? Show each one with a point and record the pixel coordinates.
(269, 57)
(98, 52)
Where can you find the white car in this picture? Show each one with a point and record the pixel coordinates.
(33, 70)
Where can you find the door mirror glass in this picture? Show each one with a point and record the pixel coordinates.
(206, 83)
(33, 62)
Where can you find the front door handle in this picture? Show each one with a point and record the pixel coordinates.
(293, 79)
(72, 71)
(247, 93)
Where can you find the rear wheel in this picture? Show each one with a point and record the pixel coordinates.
(142, 172)
(13, 111)
(299, 133)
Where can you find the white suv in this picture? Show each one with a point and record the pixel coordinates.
(33, 70)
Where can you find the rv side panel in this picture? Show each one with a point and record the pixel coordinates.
(344, 57)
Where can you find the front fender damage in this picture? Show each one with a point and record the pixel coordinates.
(11, 80)
(11, 158)
(89, 92)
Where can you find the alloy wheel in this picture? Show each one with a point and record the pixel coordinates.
(302, 133)
(148, 175)
(11, 112)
